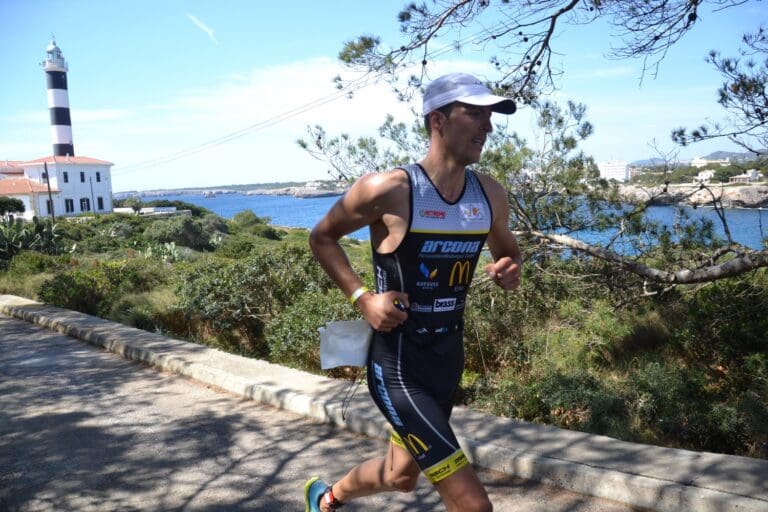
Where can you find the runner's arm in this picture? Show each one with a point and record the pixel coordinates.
(363, 205)
(508, 260)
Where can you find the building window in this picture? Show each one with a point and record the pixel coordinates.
(100, 201)
(85, 204)
(66, 177)
(69, 205)
(82, 177)
(98, 176)
(48, 206)
(45, 175)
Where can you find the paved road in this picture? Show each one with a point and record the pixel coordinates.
(85, 430)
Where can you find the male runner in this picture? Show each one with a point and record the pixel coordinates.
(428, 223)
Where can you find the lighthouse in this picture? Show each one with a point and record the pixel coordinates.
(58, 101)
(62, 184)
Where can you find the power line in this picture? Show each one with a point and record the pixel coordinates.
(345, 91)
(352, 87)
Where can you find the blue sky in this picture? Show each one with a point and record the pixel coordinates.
(148, 79)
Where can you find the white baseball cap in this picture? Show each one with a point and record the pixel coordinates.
(466, 89)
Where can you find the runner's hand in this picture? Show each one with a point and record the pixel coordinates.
(380, 312)
(504, 272)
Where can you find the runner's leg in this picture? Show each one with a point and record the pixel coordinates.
(463, 492)
(396, 471)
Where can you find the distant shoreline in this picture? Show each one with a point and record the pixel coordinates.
(307, 191)
(754, 196)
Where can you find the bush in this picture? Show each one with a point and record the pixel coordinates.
(80, 290)
(184, 231)
(232, 300)
(235, 246)
(214, 224)
(28, 263)
(247, 219)
(292, 334)
(94, 290)
(151, 311)
(574, 400)
(269, 232)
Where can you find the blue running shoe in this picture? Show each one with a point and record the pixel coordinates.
(313, 491)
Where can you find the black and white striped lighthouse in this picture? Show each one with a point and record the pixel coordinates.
(58, 101)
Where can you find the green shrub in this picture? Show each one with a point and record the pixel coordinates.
(247, 219)
(214, 224)
(94, 290)
(232, 300)
(28, 263)
(269, 232)
(574, 400)
(80, 290)
(292, 334)
(185, 231)
(235, 246)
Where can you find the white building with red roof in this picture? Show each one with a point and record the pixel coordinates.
(61, 184)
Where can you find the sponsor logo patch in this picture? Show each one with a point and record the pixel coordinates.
(470, 247)
(432, 214)
(428, 274)
(381, 390)
(460, 273)
(446, 304)
(420, 308)
(382, 284)
(472, 211)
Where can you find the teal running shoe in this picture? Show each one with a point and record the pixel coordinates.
(313, 491)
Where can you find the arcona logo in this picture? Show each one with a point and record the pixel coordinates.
(432, 214)
(447, 304)
(416, 445)
(384, 396)
(449, 247)
(459, 273)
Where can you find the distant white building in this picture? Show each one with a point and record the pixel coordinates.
(704, 176)
(703, 162)
(745, 177)
(614, 169)
(72, 184)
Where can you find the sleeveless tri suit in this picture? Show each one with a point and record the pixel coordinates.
(414, 371)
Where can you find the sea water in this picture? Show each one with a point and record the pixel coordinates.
(748, 226)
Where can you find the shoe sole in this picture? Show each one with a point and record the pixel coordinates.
(307, 485)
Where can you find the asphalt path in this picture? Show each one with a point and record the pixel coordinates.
(82, 429)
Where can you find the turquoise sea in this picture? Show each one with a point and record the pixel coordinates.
(748, 226)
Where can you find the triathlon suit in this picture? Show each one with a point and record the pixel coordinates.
(414, 370)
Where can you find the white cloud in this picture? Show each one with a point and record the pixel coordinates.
(202, 26)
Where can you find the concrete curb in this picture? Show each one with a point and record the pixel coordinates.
(649, 477)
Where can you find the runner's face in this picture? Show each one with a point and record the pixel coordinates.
(465, 131)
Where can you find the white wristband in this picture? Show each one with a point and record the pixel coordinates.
(357, 294)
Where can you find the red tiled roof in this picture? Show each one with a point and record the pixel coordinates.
(10, 166)
(68, 160)
(21, 186)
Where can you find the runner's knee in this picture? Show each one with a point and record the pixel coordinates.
(402, 482)
(482, 505)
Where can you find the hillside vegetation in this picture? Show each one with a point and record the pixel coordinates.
(576, 346)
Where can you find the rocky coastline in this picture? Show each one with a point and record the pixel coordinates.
(300, 192)
(731, 196)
